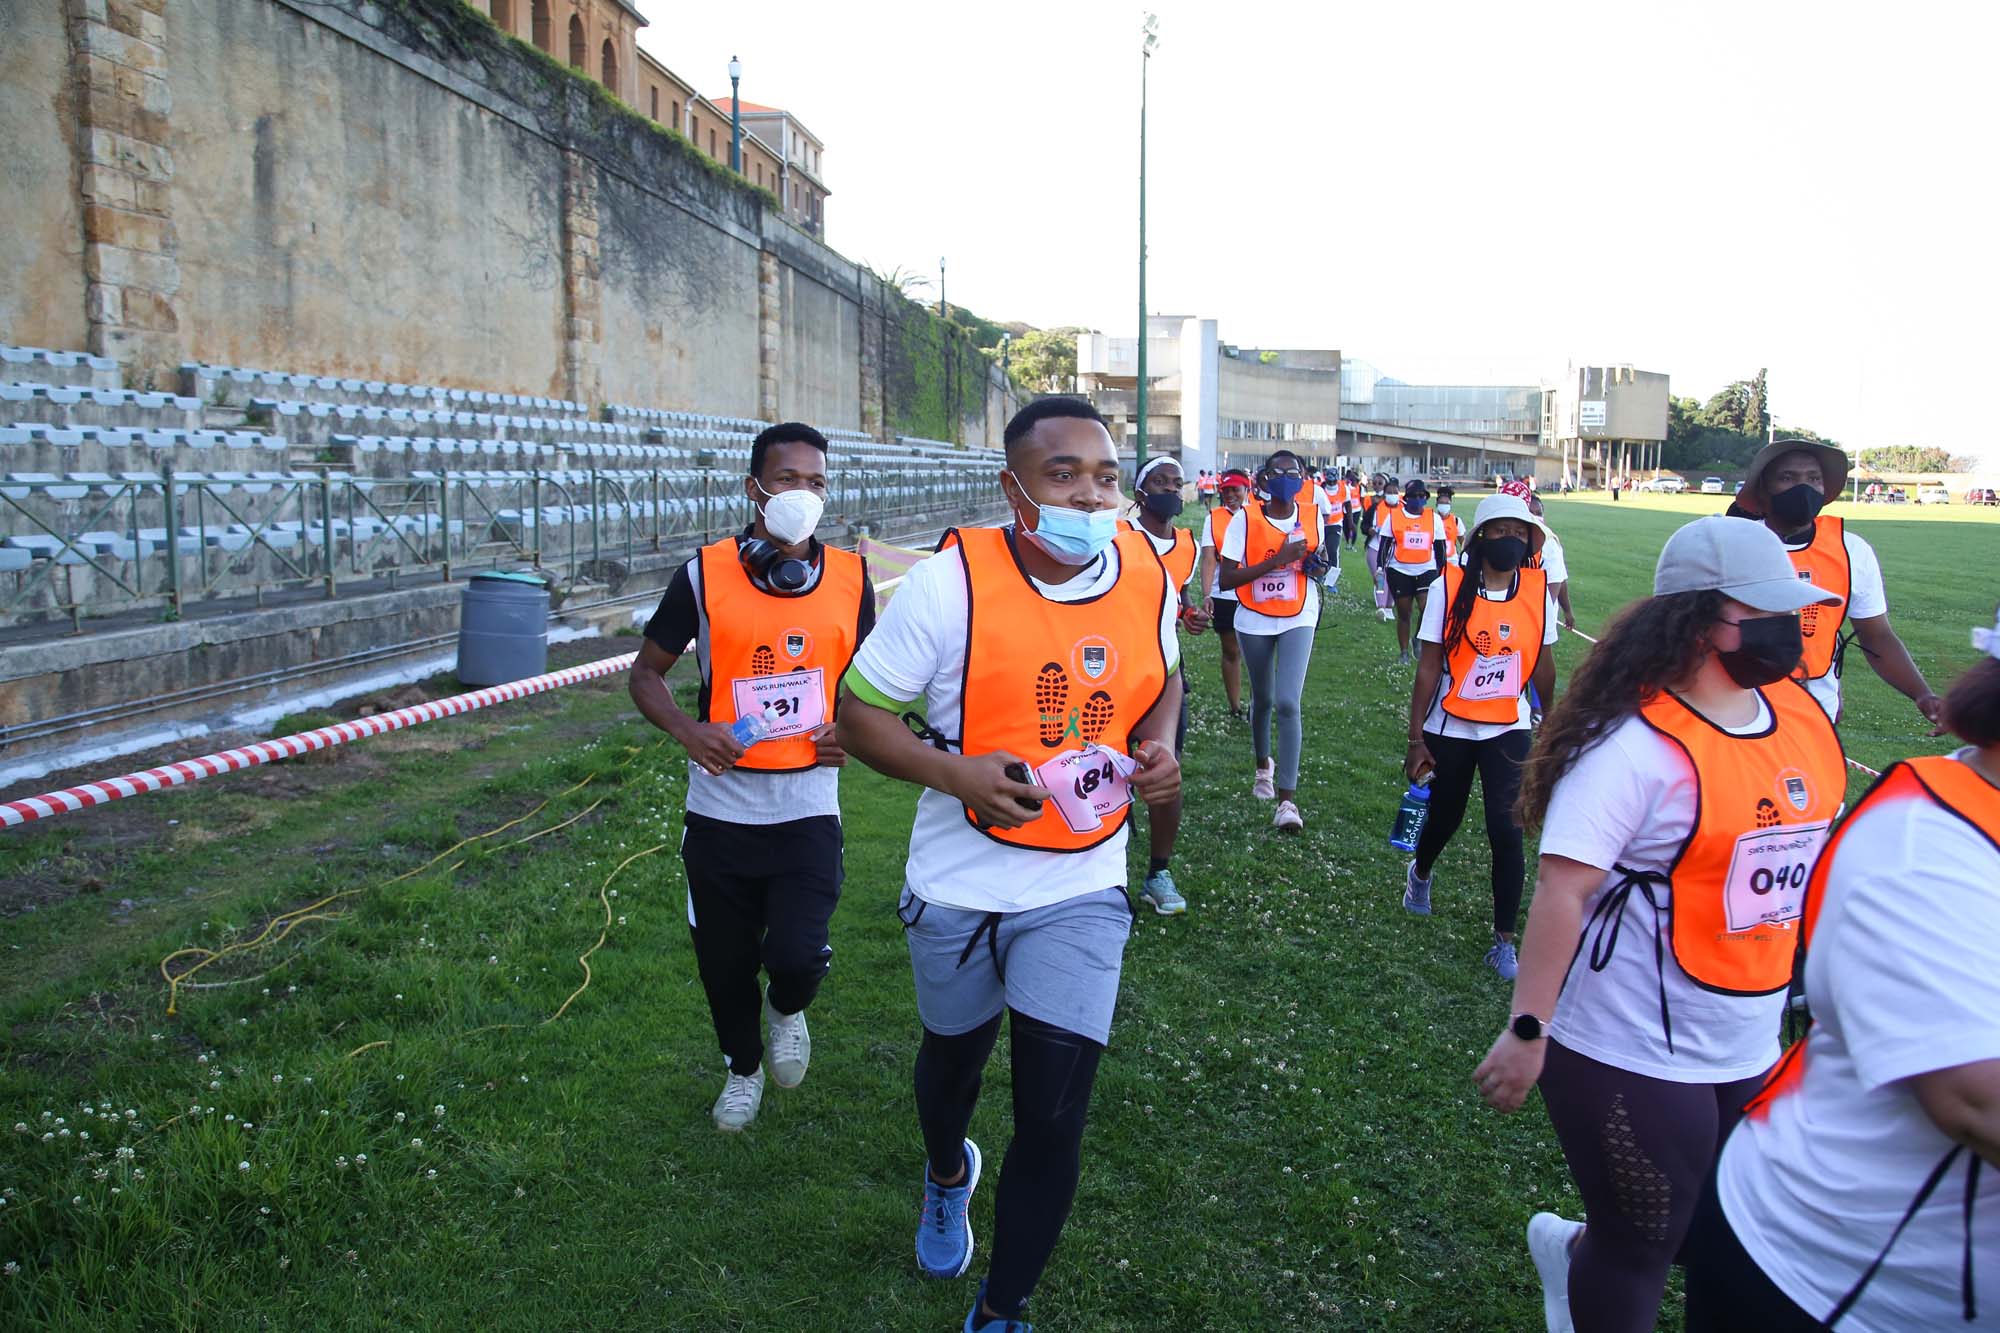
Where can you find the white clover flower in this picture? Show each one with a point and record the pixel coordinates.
(125, 1152)
(361, 1159)
(340, 1163)
(76, 1199)
(416, 1143)
(277, 1078)
(431, 1174)
(47, 1137)
(437, 1110)
(10, 1268)
(20, 1127)
(400, 1117)
(131, 1114)
(201, 1059)
(138, 1173)
(243, 1166)
(215, 1085)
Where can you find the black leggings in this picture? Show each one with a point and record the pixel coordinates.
(1726, 1290)
(1053, 1073)
(1640, 1150)
(1498, 764)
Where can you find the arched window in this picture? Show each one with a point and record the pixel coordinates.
(540, 27)
(578, 57)
(608, 66)
(503, 15)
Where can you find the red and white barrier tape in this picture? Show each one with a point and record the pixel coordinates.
(1851, 763)
(52, 803)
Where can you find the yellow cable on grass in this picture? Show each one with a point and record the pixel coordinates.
(603, 934)
(299, 915)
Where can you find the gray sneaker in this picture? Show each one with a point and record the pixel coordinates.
(1503, 959)
(788, 1046)
(741, 1096)
(1416, 892)
(1160, 892)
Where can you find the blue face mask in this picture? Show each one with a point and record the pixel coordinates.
(1415, 503)
(1284, 486)
(1072, 536)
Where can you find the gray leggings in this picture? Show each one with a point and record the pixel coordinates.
(1277, 665)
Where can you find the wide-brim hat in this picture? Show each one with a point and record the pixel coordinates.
(1745, 561)
(1506, 505)
(1832, 468)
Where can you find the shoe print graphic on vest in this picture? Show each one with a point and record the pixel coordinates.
(1767, 813)
(1808, 621)
(1482, 643)
(1051, 701)
(763, 662)
(1097, 710)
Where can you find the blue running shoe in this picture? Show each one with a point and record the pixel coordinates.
(1416, 892)
(974, 1324)
(944, 1231)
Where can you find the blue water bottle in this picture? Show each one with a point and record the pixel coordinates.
(753, 727)
(1411, 813)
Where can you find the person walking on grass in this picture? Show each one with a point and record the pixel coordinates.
(1788, 483)
(1551, 560)
(1862, 1187)
(1683, 786)
(774, 618)
(1264, 556)
(1484, 641)
(1234, 490)
(1454, 527)
(1157, 503)
(1044, 657)
(1375, 512)
(1410, 551)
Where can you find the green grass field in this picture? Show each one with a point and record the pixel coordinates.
(371, 1123)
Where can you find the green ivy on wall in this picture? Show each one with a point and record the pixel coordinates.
(933, 376)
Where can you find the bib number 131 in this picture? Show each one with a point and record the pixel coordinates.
(797, 700)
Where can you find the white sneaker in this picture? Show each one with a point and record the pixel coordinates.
(741, 1096)
(1549, 1239)
(1265, 788)
(1287, 818)
(787, 1046)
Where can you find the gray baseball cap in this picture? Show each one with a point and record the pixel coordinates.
(1745, 561)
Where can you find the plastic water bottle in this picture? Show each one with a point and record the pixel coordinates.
(1411, 813)
(753, 727)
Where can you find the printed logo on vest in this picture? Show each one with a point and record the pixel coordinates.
(1506, 631)
(1796, 792)
(796, 643)
(1092, 658)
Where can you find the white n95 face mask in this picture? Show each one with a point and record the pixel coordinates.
(791, 516)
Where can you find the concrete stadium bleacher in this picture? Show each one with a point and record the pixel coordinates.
(283, 479)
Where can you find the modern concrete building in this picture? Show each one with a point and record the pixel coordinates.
(1605, 421)
(1208, 402)
(1455, 432)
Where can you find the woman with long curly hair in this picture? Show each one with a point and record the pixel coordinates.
(1683, 786)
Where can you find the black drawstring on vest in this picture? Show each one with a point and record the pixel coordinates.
(1609, 919)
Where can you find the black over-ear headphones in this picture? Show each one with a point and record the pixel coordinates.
(767, 563)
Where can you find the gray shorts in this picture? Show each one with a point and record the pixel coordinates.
(1058, 963)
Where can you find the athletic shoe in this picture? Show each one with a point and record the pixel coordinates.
(974, 1324)
(741, 1096)
(1287, 818)
(1265, 788)
(1416, 892)
(1403, 658)
(789, 1047)
(944, 1228)
(1386, 614)
(1549, 1239)
(1159, 890)
(1503, 959)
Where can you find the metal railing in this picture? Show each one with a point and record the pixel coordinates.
(103, 546)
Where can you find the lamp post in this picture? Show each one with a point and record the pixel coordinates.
(735, 116)
(941, 306)
(1150, 38)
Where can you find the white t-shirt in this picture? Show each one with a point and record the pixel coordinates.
(1431, 630)
(917, 652)
(1865, 600)
(746, 795)
(1904, 975)
(1234, 540)
(1437, 539)
(1214, 590)
(1630, 800)
(1553, 563)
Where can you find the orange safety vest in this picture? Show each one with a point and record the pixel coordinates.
(1180, 559)
(1454, 536)
(1823, 563)
(1493, 663)
(785, 652)
(1383, 511)
(1042, 676)
(1940, 779)
(1281, 592)
(1412, 535)
(1763, 805)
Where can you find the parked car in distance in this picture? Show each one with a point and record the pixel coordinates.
(1711, 485)
(1933, 495)
(1982, 495)
(1666, 485)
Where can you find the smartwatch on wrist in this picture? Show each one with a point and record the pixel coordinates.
(1527, 1027)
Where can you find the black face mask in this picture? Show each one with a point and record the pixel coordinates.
(1163, 505)
(1770, 650)
(1796, 507)
(1503, 553)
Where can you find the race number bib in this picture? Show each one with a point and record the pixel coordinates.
(1416, 542)
(797, 701)
(1087, 785)
(1278, 585)
(1767, 875)
(1496, 677)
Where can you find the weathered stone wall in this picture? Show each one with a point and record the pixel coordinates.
(393, 189)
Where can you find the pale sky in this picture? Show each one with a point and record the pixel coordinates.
(1456, 192)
